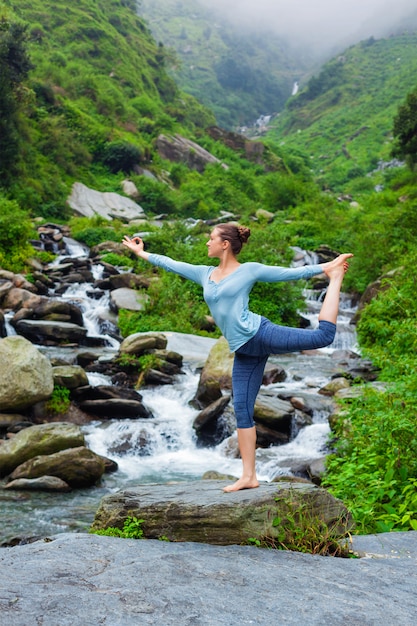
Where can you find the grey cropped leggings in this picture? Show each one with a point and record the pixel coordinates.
(250, 360)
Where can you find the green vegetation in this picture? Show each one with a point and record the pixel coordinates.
(132, 529)
(84, 93)
(374, 468)
(15, 230)
(59, 402)
(405, 130)
(300, 530)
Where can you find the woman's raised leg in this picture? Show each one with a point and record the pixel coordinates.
(335, 271)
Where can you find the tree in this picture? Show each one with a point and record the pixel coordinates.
(14, 68)
(405, 130)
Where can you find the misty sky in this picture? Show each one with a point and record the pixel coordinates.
(326, 23)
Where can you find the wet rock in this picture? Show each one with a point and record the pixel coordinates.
(140, 442)
(213, 424)
(155, 377)
(70, 376)
(334, 386)
(138, 343)
(115, 408)
(266, 437)
(107, 402)
(51, 333)
(210, 413)
(43, 483)
(25, 374)
(274, 413)
(78, 467)
(36, 440)
(51, 311)
(129, 280)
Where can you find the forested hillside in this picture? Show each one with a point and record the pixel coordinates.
(239, 74)
(79, 80)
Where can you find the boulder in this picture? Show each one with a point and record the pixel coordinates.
(127, 279)
(200, 511)
(15, 298)
(138, 343)
(43, 483)
(36, 440)
(274, 413)
(115, 409)
(108, 402)
(25, 374)
(52, 311)
(78, 467)
(128, 299)
(181, 150)
(70, 376)
(42, 331)
(216, 374)
(89, 202)
(215, 423)
(335, 385)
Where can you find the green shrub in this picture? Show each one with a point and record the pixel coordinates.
(59, 402)
(120, 156)
(300, 530)
(15, 230)
(374, 466)
(132, 529)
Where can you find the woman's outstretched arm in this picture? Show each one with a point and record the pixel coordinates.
(196, 273)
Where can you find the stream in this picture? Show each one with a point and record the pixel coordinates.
(171, 453)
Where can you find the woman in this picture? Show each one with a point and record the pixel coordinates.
(226, 289)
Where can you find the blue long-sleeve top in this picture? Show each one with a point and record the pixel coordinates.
(228, 299)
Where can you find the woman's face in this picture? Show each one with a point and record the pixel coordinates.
(215, 244)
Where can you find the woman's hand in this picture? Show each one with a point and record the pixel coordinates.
(136, 245)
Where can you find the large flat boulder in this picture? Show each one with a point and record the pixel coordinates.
(79, 578)
(89, 202)
(200, 511)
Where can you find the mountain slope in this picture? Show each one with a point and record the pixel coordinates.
(238, 74)
(343, 119)
(97, 77)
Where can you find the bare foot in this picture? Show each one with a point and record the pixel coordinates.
(338, 267)
(242, 483)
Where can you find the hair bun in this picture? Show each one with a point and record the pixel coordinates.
(244, 233)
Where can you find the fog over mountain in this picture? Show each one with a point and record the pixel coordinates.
(324, 25)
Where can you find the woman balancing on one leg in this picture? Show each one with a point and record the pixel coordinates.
(226, 289)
